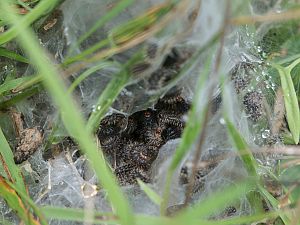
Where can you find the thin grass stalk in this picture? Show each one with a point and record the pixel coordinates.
(202, 136)
(193, 127)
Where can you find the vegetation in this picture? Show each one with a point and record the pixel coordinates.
(280, 54)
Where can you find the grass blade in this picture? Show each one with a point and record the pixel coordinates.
(190, 133)
(133, 28)
(12, 84)
(71, 214)
(150, 193)
(29, 203)
(72, 119)
(124, 33)
(28, 83)
(12, 55)
(250, 163)
(216, 202)
(111, 92)
(290, 100)
(238, 141)
(15, 203)
(19, 97)
(247, 156)
(88, 72)
(242, 148)
(7, 160)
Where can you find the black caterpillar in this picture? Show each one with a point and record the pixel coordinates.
(135, 140)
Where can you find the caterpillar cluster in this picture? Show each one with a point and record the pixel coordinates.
(134, 141)
(241, 76)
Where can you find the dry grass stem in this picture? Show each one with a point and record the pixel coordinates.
(269, 17)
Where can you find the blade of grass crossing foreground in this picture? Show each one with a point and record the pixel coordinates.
(190, 133)
(43, 7)
(15, 203)
(8, 159)
(215, 202)
(29, 202)
(72, 119)
(71, 214)
(68, 214)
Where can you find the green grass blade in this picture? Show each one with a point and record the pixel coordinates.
(19, 97)
(150, 193)
(134, 27)
(25, 21)
(9, 163)
(105, 100)
(12, 55)
(12, 84)
(30, 203)
(71, 214)
(86, 52)
(246, 155)
(111, 92)
(15, 203)
(72, 119)
(288, 59)
(126, 31)
(190, 133)
(242, 148)
(216, 202)
(274, 203)
(87, 73)
(250, 163)
(28, 83)
(238, 141)
(103, 19)
(290, 100)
